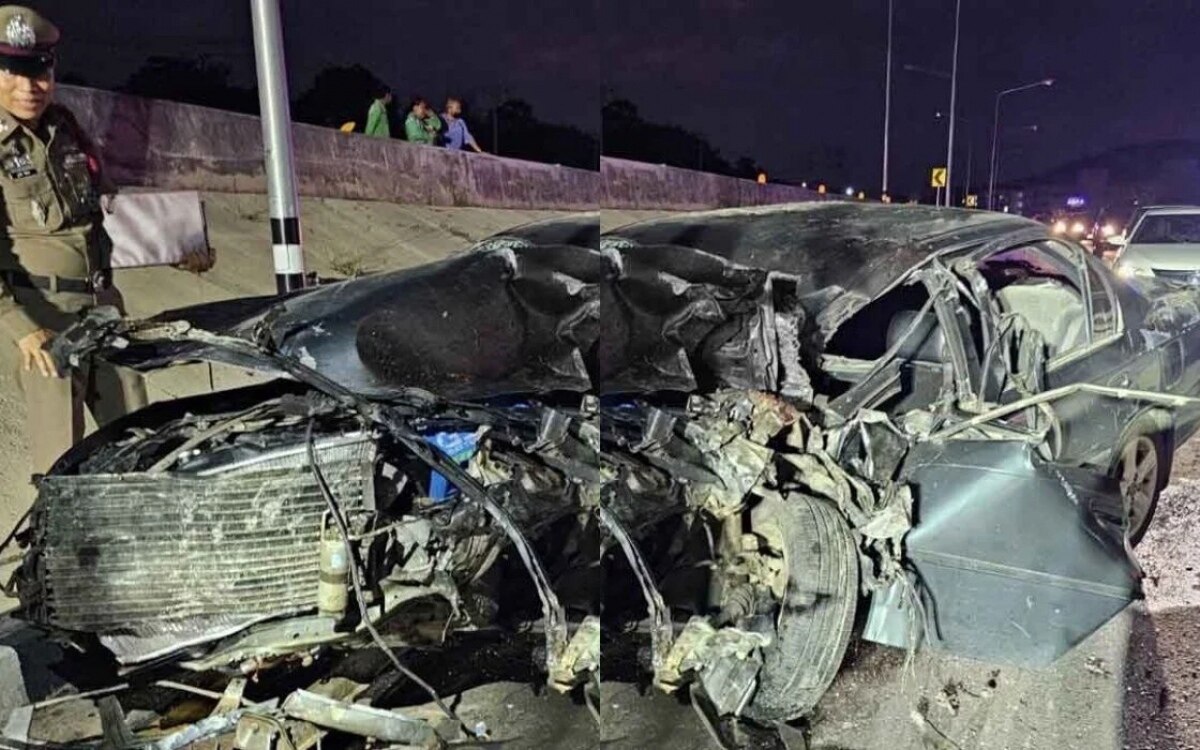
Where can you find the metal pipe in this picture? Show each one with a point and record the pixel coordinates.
(887, 100)
(286, 247)
(953, 102)
(1153, 397)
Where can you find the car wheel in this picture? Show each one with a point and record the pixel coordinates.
(1142, 466)
(816, 615)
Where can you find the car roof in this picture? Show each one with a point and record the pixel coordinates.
(859, 247)
(1170, 210)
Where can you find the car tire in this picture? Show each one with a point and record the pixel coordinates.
(817, 614)
(1144, 439)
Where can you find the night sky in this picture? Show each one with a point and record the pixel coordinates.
(774, 79)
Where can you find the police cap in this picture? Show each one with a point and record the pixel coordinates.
(27, 41)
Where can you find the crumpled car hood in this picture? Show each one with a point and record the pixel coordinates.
(507, 318)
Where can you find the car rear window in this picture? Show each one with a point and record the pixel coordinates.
(1168, 229)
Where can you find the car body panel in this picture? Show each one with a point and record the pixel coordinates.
(1018, 560)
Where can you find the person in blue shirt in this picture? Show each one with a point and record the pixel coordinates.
(456, 136)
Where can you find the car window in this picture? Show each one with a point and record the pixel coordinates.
(1167, 229)
(1045, 289)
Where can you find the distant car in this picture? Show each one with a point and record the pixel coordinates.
(1093, 232)
(1163, 244)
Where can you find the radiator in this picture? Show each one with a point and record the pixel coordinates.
(151, 555)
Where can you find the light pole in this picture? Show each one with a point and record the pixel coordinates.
(949, 77)
(286, 249)
(996, 133)
(887, 101)
(953, 96)
(970, 148)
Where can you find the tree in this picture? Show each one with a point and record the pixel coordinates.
(193, 81)
(342, 94)
(628, 135)
(524, 136)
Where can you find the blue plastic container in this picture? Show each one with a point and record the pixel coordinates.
(460, 446)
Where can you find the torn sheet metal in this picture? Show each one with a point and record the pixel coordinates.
(724, 661)
(361, 720)
(581, 660)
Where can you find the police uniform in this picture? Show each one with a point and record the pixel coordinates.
(53, 251)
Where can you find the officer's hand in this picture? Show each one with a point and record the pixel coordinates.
(35, 354)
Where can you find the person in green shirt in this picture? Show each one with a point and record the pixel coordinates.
(422, 125)
(377, 115)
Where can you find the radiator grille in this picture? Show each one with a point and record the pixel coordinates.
(134, 553)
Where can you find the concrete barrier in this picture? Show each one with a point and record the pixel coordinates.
(169, 145)
(638, 186)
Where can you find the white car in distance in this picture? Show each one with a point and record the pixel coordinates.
(1163, 244)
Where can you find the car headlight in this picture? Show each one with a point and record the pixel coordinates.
(1109, 230)
(1060, 227)
(1078, 228)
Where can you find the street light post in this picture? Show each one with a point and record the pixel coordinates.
(996, 134)
(970, 148)
(953, 96)
(286, 249)
(887, 101)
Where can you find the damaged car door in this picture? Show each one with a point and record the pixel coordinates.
(1013, 557)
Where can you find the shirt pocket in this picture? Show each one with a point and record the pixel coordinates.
(31, 205)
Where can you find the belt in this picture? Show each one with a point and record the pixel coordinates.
(99, 281)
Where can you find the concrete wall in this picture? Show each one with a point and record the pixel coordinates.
(168, 145)
(181, 146)
(638, 186)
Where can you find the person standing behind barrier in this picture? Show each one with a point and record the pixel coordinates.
(422, 125)
(54, 253)
(377, 116)
(458, 138)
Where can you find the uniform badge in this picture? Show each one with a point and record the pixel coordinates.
(38, 211)
(20, 33)
(18, 166)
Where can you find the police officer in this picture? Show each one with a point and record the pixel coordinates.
(53, 254)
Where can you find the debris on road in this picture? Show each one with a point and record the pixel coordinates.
(1096, 666)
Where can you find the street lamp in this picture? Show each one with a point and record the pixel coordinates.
(953, 78)
(970, 148)
(887, 101)
(953, 99)
(996, 132)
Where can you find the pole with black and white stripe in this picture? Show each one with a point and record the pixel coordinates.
(286, 247)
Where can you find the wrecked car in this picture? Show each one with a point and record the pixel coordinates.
(428, 442)
(949, 424)
(706, 444)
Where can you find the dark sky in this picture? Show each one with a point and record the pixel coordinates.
(775, 79)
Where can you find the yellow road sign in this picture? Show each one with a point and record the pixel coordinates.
(937, 177)
(972, 201)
